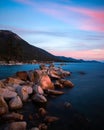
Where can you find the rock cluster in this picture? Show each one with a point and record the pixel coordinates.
(34, 85)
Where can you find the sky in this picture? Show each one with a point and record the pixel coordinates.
(71, 28)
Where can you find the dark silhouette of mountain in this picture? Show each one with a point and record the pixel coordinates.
(14, 48)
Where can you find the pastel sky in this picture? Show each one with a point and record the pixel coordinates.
(72, 28)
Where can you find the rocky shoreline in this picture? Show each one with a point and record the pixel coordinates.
(31, 86)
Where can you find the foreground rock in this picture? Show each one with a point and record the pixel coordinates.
(12, 116)
(7, 94)
(3, 106)
(15, 103)
(23, 92)
(39, 98)
(17, 126)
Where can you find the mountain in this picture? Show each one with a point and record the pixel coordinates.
(12, 47)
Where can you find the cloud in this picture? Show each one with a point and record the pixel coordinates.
(95, 54)
(77, 17)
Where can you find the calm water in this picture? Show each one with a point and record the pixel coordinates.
(87, 97)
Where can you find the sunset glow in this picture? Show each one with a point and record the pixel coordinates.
(71, 28)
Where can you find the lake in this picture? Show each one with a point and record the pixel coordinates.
(87, 97)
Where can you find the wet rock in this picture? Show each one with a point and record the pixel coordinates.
(3, 106)
(50, 119)
(67, 105)
(17, 126)
(43, 126)
(15, 103)
(12, 116)
(66, 83)
(42, 79)
(58, 84)
(7, 94)
(12, 80)
(39, 98)
(23, 92)
(22, 75)
(31, 76)
(38, 89)
(54, 92)
(42, 111)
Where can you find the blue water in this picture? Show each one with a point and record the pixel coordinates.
(87, 97)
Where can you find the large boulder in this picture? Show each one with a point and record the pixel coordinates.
(42, 79)
(7, 94)
(15, 103)
(22, 75)
(3, 106)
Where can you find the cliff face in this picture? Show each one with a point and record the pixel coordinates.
(12, 47)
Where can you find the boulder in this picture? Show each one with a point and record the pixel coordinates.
(12, 80)
(38, 89)
(2, 84)
(46, 83)
(17, 126)
(39, 98)
(12, 116)
(42, 79)
(3, 106)
(22, 92)
(22, 75)
(15, 103)
(31, 75)
(7, 94)
(66, 83)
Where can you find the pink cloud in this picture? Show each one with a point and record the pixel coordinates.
(97, 54)
(76, 17)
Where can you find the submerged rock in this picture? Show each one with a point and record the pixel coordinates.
(67, 104)
(42, 111)
(3, 106)
(50, 119)
(15, 103)
(54, 92)
(17, 126)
